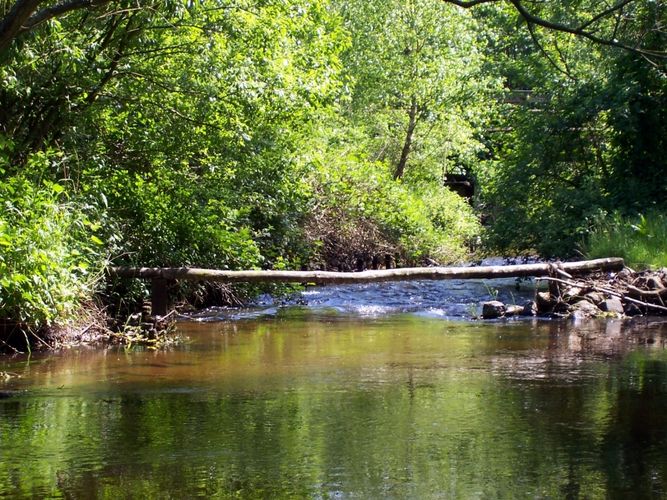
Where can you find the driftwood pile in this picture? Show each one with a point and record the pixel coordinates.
(616, 294)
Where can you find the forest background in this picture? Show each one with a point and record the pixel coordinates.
(290, 134)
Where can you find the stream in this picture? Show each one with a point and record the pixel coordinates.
(360, 391)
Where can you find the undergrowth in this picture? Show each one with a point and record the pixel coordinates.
(360, 213)
(51, 258)
(641, 240)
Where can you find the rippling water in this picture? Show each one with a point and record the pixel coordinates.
(449, 299)
(338, 399)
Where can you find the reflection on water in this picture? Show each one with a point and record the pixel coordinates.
(302, 405)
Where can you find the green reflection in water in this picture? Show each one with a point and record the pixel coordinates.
(326, 407)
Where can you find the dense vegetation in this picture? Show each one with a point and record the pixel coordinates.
(315, 133)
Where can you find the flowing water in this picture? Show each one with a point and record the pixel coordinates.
(365, 392)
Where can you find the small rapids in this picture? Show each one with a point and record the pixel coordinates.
(448, 299)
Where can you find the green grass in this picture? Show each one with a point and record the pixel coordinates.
(640, 240)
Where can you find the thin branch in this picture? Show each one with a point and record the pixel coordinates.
(532, 19)
(531, 30)
(603, 14)
(563, 59)
(608, 291)
(470, 3)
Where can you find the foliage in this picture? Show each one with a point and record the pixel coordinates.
(360, 213)
(640, 240)
(175, 122)
(51, 254)
(284, 134)
(584, 138)
(418, 90)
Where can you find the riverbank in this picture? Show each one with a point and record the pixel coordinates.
(618, 294)
(557, 293)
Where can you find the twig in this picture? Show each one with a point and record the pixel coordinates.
(604, 290)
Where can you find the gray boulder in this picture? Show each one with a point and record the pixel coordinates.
(584, 309)
(612, 305)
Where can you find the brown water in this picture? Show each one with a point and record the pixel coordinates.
(305, 405)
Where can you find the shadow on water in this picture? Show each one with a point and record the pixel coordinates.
(322, 401)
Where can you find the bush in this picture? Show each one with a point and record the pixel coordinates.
(172, 218)
(50, 254)
(360, 212)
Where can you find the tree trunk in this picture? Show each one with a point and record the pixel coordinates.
(407, 144)
(13, 22)
(404, 274)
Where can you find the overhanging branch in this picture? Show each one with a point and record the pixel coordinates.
(579, 31)
(582, 30)
(58, 10)
(25, 16)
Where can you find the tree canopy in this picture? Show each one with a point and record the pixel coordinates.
(317, 133)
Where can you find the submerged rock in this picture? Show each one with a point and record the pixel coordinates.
(493, 309)
(513, 310)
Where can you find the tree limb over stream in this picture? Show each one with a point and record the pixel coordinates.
(405, 274)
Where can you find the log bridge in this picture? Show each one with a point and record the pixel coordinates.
(161, 277)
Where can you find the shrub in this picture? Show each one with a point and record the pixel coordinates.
(50, 254)
(172, 218)
(359, 212)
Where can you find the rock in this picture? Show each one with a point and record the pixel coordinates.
(571, 293)
(562, 308)
(612, 305)
(513, 310)
(545, 301)
(654, 283)
(493, 309)
(631, 309)
(625, 275)
(594, 297)
(529, 309)
(584, 309)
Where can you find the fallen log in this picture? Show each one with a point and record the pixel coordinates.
(404, 274)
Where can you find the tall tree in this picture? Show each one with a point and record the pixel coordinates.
(417, 82)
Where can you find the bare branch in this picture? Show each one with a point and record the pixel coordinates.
(470, 3)
(581, 30)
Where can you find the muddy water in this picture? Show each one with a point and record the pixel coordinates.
(322, 404)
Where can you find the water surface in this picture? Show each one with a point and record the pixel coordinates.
(314, 404)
